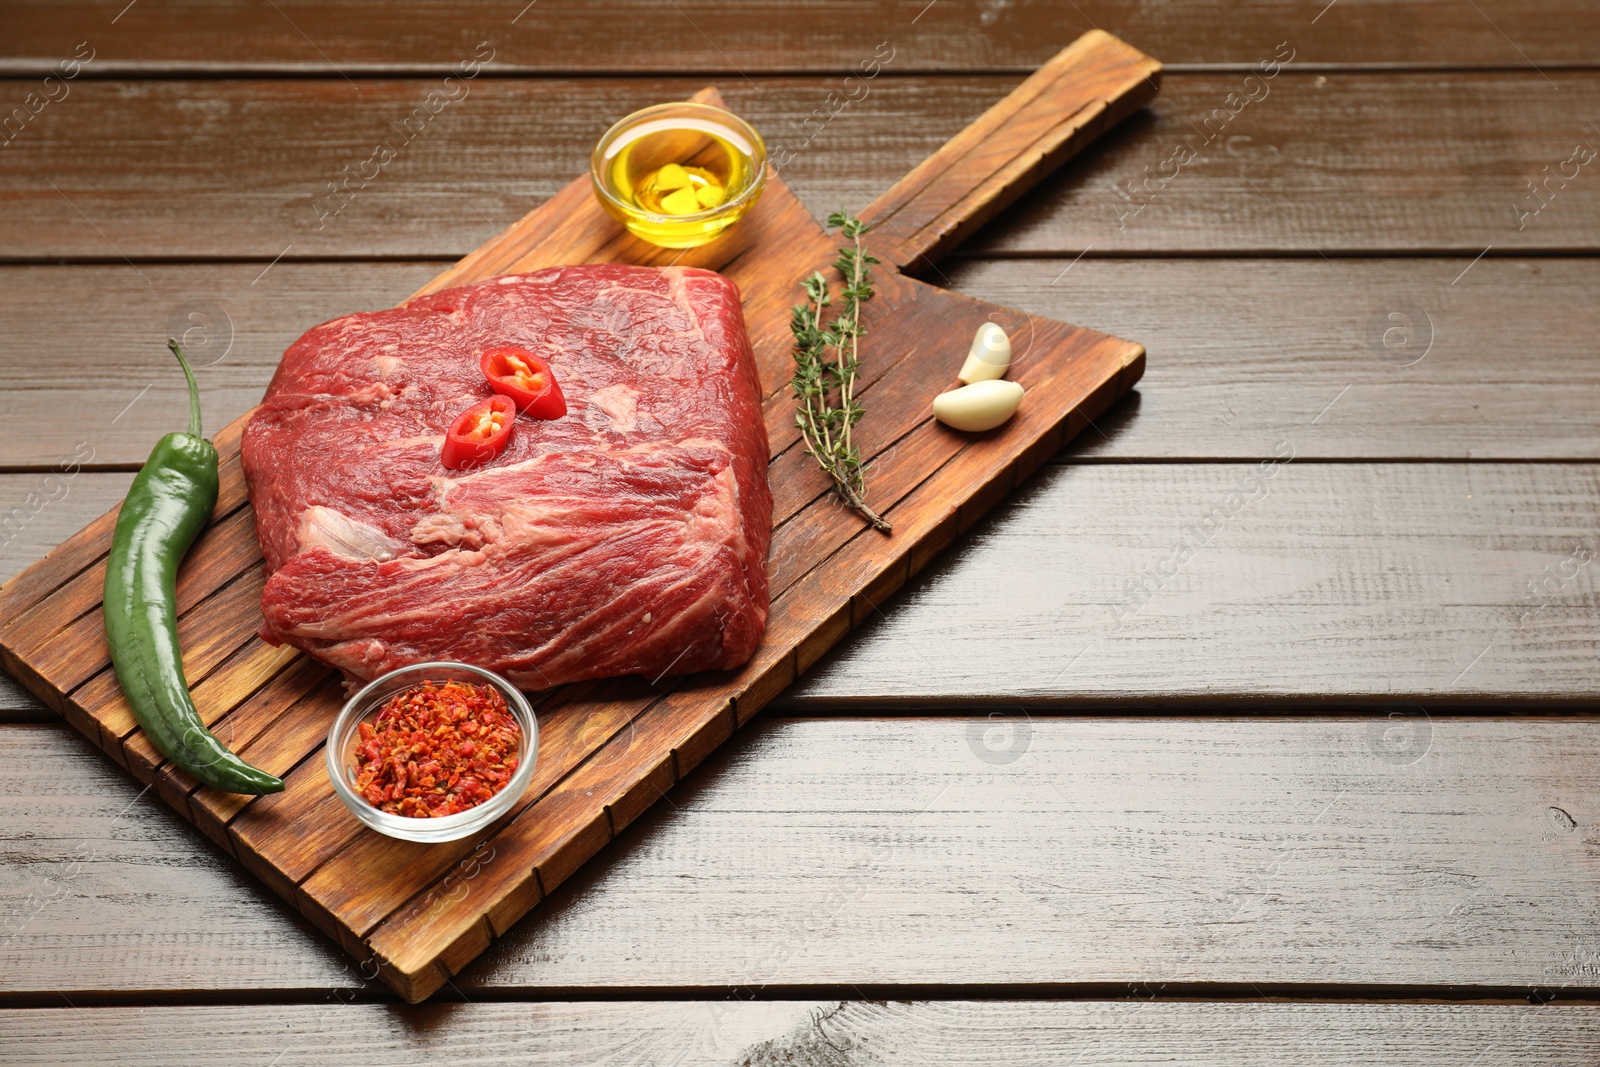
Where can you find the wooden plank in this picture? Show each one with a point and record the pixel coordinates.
(933, 1033)
(1119, 584)
(1409, 360)
(40, 510)
(764, 36)
(234, 321)
(1348, 851)
(1314, 165)
(1088, 846)
(1371, 582)
(87, 848)
(1239, 356)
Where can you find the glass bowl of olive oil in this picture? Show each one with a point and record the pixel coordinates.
(677, 175)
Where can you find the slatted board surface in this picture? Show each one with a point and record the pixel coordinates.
(608, 749)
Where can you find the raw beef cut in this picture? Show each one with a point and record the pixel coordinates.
(629, 537)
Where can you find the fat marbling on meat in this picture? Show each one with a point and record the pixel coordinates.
(629, 537)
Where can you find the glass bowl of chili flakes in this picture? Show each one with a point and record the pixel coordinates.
(433, 752)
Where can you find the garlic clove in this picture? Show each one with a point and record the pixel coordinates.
(979, 406)
(681, 202)
(671, 177)
(989, 356)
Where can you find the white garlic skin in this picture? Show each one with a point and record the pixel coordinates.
(989, 357)
(979, 406)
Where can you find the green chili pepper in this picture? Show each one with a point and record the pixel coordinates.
(168, 504)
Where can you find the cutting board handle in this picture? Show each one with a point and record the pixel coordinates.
(1086, 88)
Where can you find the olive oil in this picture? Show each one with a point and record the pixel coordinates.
(677, 175)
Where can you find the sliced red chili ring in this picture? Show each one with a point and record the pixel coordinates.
(479, 434)
(526, 379)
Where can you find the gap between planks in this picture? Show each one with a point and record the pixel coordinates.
(1271, 252)
(28, 71)
(1160, 992)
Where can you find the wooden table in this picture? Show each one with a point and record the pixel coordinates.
(1258, 728)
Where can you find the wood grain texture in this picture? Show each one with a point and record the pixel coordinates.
(303, 37)
(19, 705)
(1450, 584)
(1325, 849)
(234, 331)
(1326, 164)
(1084, 90)
(773, 1033)
(1345, 582)
(1372, 359)
(996, 848)
(1240, 354)
(40, 510)
(394, 902)
(905, 852)
(101, 877)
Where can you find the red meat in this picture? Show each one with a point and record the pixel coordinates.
(629, 537)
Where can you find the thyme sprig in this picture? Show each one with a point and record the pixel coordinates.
(824, 384)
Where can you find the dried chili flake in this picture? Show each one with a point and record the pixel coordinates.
(437, 749)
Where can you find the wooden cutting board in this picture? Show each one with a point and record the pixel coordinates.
(416, 914)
